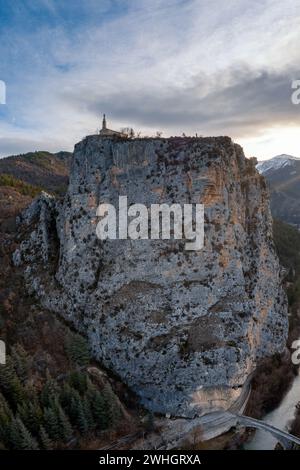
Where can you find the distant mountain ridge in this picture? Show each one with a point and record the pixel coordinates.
(46, 170)
(283, 176)
(22, 177)
(276, 163)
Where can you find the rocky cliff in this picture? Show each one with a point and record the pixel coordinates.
(184, 329)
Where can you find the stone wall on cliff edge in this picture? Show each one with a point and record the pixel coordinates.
(184, 329)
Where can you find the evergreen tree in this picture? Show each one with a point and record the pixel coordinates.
(21, 361)
(65, 396)
(113, 411)
(10, 384)
(20, 437)
(98, 407)
(6, 416)
(4, 406)
(78, 380)
(46, 442)
(51, 423)
(65, 428)
(31, 415)
(77, 408)
(16, 392)
(7, 373)
(77, 350)
(81, 419)
(27, 441)
(88, 414)
(50, 391)
(14, 438)
(68, 398)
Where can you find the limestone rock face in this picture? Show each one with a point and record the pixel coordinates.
(184, 329)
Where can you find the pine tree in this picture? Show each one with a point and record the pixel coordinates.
(51, 423)
(46, 442)
(10, 384)
(4, 406)
(77, 408)
(68, 400)
(98, 407)
(7, 373)
(20, 437)
(78, 380)
(65, 428)
(81, 418)
(113, 411)
(27, 441)
(6, 416)
(88, 414)
(65, 395)
(31, 415)
(77, 350)
(13, 437)
(16, 391)
(50, 391)
(21, 361)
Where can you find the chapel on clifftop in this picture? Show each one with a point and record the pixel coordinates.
(105, 132)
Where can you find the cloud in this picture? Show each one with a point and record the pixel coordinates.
(247, 102)
(210, 67)
(18, 146)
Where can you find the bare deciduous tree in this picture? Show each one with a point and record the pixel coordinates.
(129, 131)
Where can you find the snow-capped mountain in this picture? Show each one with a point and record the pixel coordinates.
(276, 163)
(282, 174)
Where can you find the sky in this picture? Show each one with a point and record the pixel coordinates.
(210, 67)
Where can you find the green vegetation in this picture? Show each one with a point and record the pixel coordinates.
(48, 399)
(77, 350)
(24, 188)
(287, 242)
(50, 415)
(42, 159)
(36, 170)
